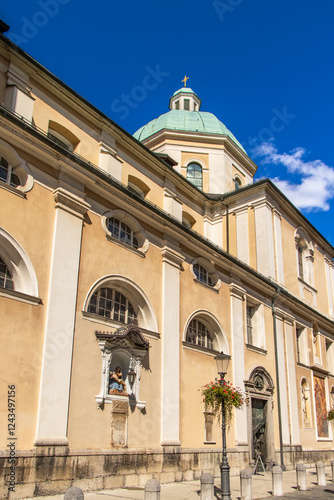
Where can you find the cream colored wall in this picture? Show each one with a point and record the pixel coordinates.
(320, 281)
(197, 368)
(156, 193)
(289, 257)
(3, 81)
(100, 258)
(30, 222)
(252, 238)
(88, 147)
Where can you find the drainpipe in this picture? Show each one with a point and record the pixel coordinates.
(277, 381)
(227, 229)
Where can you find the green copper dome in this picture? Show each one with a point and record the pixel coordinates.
(185, 116)
(186, 121)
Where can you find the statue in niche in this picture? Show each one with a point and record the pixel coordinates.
(116, 383)
(305, 405)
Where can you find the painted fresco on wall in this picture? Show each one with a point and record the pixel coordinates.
(320, 406)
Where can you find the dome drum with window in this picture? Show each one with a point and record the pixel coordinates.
(195, 175)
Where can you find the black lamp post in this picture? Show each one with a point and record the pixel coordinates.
(222, 361)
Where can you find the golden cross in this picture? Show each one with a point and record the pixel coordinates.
(185, 80)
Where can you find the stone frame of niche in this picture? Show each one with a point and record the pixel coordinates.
(260, 386)
(128, 345)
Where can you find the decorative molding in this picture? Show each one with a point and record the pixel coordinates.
(70, 203)
(12, 189)
(194, 347)
(172, 257)
(259, 350)
(21, 297)
(236, 291)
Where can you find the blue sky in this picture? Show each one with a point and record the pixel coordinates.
(263, 68)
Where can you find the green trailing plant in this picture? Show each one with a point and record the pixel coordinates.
(215, 393)
(330, 414)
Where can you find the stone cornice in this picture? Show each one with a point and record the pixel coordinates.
(70, 203)
(237, 291)
(172, 257)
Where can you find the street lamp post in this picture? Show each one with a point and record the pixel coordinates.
(222, 361)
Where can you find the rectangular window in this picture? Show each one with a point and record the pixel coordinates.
(250, 313)
(177, 105)
(300, 263)
(186, 104)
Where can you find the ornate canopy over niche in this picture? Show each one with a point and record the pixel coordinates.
(260, 382)
(126, 347)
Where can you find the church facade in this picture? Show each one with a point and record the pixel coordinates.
(126, 265)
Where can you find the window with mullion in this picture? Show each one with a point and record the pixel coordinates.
(202, 274)
(7, 175)
(112, 304)
(198, 334)
(122, 232)
(6, 280)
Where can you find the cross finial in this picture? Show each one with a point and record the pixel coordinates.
(185, 80)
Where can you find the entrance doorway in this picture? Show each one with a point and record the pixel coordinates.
(259, 389)
(259, 421)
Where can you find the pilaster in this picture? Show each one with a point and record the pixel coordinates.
(264, 238)
(329, 271)
(170, 404)
(278, 246)
(282, 378)
(237, 297)
(241, 215)
(291, 375)
(59, 328)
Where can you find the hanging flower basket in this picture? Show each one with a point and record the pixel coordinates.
(215, 392)
(330, 414)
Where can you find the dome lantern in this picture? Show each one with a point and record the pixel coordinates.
(185, 99)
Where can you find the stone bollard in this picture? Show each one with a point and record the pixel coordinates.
(73, 493)
(321, 479)
(152, 489)
(332, 465)
(246, 484)
(277, 481)
(207, 487)
(301, 477)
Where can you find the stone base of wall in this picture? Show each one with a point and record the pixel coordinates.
(50, 470)
(293, 455)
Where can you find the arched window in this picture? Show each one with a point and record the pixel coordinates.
(137, 186)
(305, 256)
(62, 136)
(194, 174)
(122, 227)
(237, 183)
(199, 334)
(300, 262)
(7, 175)
(16, 270)
(112, 304)
(6, 280)
(122, 232)
(202, 274)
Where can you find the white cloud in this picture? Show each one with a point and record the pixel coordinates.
(316, 186)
